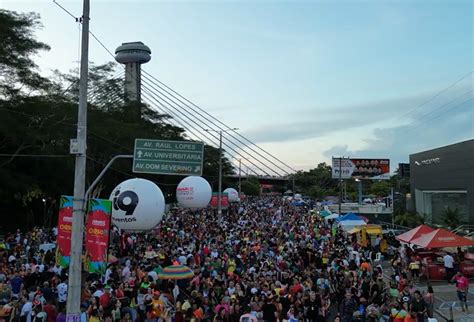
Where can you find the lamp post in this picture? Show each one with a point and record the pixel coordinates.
(359, 186)
(44, 210)
(219, 206)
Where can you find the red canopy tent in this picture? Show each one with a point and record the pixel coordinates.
(414, 233)
(440, 238)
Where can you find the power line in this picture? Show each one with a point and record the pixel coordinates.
(420, 119)
(67, 11)
(238, 134)
(214, 118)
(439, 115)
(192, 126)
(214, 123)
(437, 95)
(35, 155)
(215, 135)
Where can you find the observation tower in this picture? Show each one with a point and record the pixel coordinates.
(133, 55)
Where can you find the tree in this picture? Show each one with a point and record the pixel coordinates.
(18, 72)
(409, 219)
(380, 188)
(38, 119)
(451, 217)
(316, 182)
(251, 186)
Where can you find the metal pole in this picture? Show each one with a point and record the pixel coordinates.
(392, 205)
(104, 170)
(219, 206)
(340, 185)
(360, 191)
(74, 285)
(240, 176)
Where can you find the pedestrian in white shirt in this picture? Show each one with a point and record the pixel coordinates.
(61, 290)
(448, 266)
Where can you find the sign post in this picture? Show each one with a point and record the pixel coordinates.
(168, 157)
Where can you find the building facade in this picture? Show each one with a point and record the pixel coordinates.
(443, 178)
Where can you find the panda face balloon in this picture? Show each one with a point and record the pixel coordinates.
(138, 205)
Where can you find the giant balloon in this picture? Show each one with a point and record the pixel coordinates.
(138, 205)
(233, 194)
(193, 192)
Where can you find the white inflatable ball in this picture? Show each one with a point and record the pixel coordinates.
(193, 192)
(233, 194)
(138, 205)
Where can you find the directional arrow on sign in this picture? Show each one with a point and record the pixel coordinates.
(197, 169)
(139, 153)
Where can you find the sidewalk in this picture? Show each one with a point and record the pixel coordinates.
(446, 299)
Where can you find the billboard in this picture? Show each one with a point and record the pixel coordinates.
(63, 249)
(224, 200)
(97, 235)
(355, 168)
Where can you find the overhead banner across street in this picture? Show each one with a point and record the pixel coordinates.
(355, 168)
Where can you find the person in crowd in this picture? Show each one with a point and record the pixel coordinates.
(462, 289)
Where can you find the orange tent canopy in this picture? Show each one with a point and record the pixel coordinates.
(414, 233)
(440, 238)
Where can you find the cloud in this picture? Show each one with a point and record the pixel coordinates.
(332, 119)
(451, 125)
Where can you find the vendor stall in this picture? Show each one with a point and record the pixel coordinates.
(410, 235)
(367, 234)
(442, 238)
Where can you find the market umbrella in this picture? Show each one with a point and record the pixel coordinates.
(440, 238)
(324, 213)
(176, 272)
(332, 216)
(419, 231)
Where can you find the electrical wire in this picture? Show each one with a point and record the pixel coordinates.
(437, 94)
(199, 111)
(216, 139)
(228, 128)
(179, 111)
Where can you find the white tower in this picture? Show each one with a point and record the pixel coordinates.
(133, 55)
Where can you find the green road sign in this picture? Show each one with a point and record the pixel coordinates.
(168, 157)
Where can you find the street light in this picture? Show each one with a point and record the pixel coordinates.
(359, 183)
(219, 206)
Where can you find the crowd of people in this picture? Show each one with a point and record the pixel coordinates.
(262, 260)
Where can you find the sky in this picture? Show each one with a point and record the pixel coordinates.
(305, 80)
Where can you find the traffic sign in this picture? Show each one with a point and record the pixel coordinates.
(168, 157)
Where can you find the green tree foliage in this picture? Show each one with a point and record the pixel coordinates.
(316, 182)
(380, 188)
(38, 119)
(409, 219)
(251, 186)
(18, 72)
(451, 217)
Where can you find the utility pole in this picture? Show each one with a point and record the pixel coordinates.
(392, 201)
(219, 206)
(240, 176)
(340, 185)
(219, 197)
(75, 266)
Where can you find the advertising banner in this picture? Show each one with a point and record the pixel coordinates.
(63, 249)
(97, 235)
(224, 200)
(355, 168)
